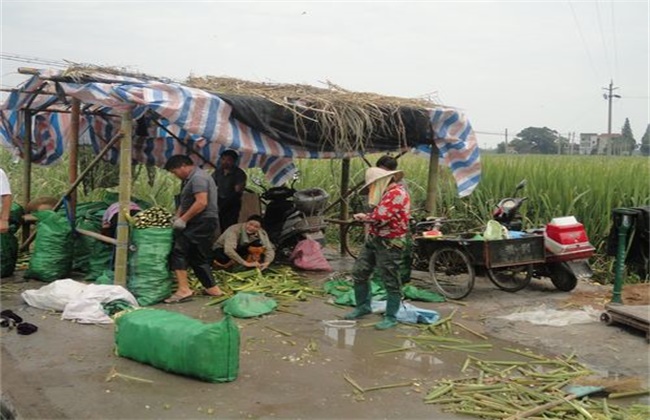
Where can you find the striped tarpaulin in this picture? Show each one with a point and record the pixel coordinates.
(201, 120)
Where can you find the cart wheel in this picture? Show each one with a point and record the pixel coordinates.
(511, 279)
(355, 237)
(562, 279)
(451, 273)
(606, 318)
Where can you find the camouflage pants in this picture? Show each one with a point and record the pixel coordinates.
(386, 259)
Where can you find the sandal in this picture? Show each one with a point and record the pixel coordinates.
(177, 298)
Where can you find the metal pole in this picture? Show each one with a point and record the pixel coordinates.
(122, 248)
(626, 222)
(432, 187)
(609, 120)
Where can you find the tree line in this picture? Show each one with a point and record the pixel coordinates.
(545, 141)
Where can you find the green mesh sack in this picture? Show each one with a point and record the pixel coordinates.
(8, 253)
(248, 305)
(149, 278)
(88, 217)
(415, 293)
(177, 343)
(52, 255)
(15, 216)
(106, 277)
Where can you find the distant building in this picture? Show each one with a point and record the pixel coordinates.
(604, 142)
(588, 142)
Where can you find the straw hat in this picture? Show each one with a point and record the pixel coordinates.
(374, 174)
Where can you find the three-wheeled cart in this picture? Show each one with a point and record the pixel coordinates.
(454, 262)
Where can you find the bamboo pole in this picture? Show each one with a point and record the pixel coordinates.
(85, 172)
(27, 170)
(122, 247)
(344, 213)
(432, 187)
(74, 152)
(98, 236)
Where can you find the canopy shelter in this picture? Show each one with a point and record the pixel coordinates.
(133, 117)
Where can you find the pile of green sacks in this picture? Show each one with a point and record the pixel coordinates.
(58, 251)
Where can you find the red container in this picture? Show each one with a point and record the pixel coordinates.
(567, 234)
(567, 239)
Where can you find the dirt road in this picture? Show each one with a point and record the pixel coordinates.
(61, 370)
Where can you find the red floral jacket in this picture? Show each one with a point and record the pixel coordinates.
(390, 219)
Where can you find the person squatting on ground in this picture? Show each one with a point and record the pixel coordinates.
(383, 250)
(195, 224)
(231, 181)
(5, 201)
(246, 244)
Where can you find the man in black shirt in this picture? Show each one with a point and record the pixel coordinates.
(195, 224)
(231, 181)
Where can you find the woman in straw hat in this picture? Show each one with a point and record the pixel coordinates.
(383, 251)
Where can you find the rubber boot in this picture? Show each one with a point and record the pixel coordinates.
(362, 297)
(392, 306)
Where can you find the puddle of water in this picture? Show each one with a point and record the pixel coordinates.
(375, 349)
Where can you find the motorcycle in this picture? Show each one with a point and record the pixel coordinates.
(292, 215)
(567, 246)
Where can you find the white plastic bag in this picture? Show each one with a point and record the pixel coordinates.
(87, 308)
(55, 295)
(78, 301)
(495, 230)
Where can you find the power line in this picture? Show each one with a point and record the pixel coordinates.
(584, 41)
(614, 40)
(33, 60)
(602, 38)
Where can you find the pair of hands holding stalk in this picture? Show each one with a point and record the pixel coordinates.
(178, 223)
(255, 264)
(361, 217)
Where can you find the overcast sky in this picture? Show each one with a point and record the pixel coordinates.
(506, 65)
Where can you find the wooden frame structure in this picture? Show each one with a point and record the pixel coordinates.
(76, 109)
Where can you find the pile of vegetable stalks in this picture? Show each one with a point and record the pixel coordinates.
(282, 284)
(502, 389)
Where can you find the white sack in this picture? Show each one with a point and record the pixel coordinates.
(87, 308)
(78, 301)
(55, 295)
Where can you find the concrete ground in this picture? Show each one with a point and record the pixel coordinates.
(61, 370)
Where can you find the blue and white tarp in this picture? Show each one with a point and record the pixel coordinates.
(202, 120)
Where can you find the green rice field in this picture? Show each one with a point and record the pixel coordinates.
(587, 187)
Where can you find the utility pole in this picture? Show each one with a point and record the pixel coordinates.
(506, 148)
(609, 97)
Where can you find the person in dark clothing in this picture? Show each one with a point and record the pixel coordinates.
(231, 181)
(195, 224)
